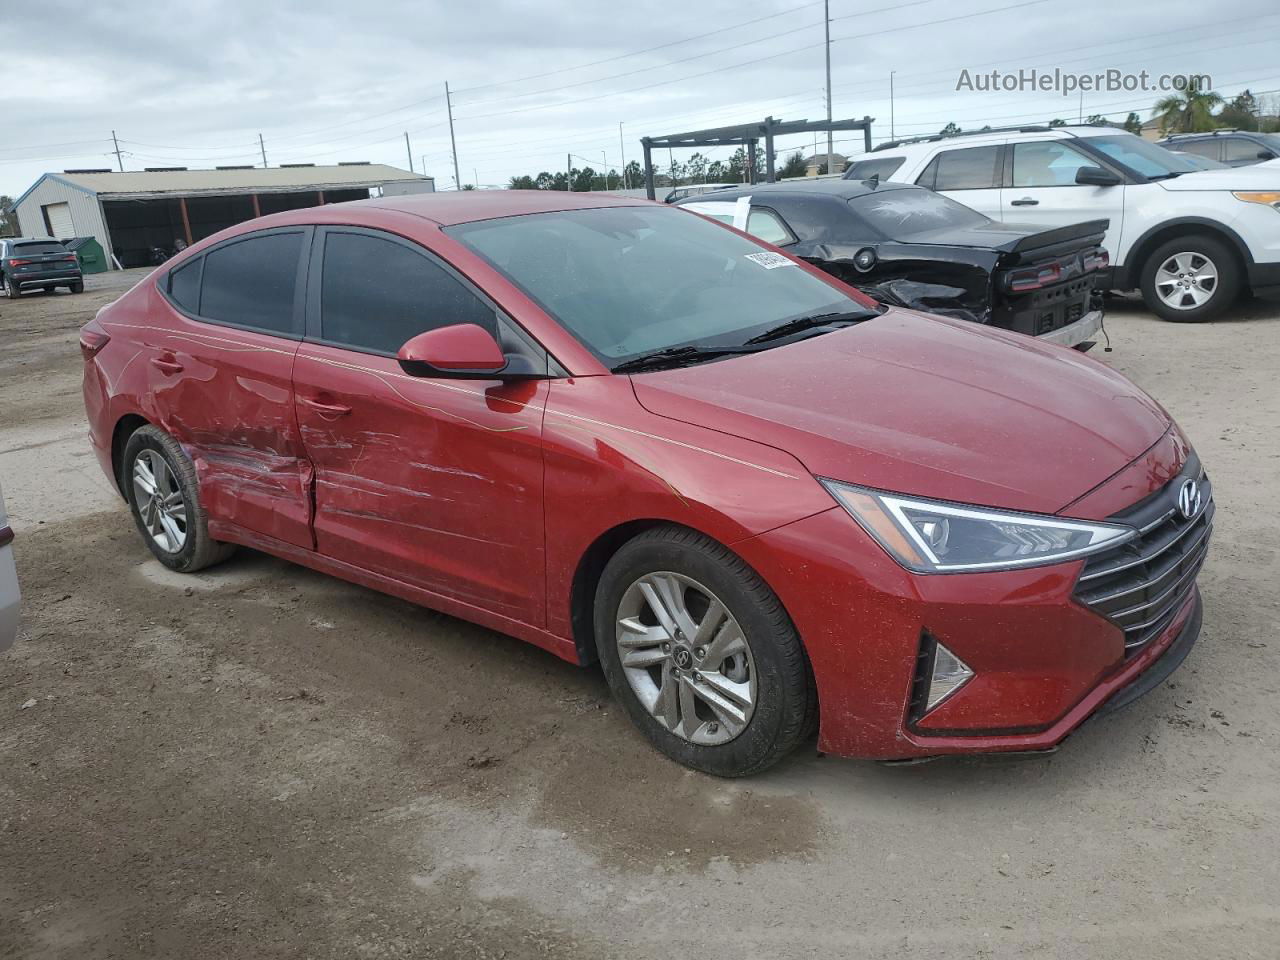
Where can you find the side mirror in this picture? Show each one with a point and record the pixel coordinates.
(462, 351)
(1096, 177)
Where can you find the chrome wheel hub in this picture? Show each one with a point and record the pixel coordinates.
(1186, 281)
(159, 499)
(686, 658)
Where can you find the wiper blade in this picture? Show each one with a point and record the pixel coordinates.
(1167, 176)
(677, 356)
(805, 323)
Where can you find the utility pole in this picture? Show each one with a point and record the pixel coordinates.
(568, 171)
(622, 148)
(891, 130)
(448, 100)
(409, 150)
(263, 147)
(1080, 119)
(826, 24)
(604, 158)
(119, 162)
(423, 161)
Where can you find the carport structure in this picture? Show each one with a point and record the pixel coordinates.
(748, 135)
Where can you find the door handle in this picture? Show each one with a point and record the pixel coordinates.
(330, 411)
(1025, 202)
(166, 364)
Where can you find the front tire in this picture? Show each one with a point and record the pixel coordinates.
(701, 654)
(164, 497)
(1190, 279)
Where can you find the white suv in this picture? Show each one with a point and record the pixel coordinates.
(1189, 239)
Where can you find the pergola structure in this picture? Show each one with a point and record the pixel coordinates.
(748, 135)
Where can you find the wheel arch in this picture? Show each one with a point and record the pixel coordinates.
(120, 434)
(1129, 276)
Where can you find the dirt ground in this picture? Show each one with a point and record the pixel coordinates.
(261, 762)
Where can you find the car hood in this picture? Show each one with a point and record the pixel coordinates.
(1260, 176)
(928, 406)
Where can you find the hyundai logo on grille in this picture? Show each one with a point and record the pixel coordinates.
(1189, 499)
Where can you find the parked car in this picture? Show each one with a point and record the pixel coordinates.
(624, 433)
(28, 264)
(1190, 240)
(10, 597)
(1233, 148)
(1199, 162)
(915, 248)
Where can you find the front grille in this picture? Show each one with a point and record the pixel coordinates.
(1141, 585)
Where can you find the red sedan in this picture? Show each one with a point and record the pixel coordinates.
(628, 434)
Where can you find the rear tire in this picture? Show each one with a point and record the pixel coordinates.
(164, 496)
(78, 287)
(741, 695)
(11, 291)
(1190, 279)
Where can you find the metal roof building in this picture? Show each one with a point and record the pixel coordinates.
(131, 213)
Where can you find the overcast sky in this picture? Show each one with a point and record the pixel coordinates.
(193, 83)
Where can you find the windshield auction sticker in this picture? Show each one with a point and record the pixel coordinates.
(770, 261)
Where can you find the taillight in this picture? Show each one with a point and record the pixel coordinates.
(92, 342)
(69, 256)
(1020, 281)
(1098, 261)
(20, 263)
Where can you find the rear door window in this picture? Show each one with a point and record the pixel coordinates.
(376, 293)
(1203, 148)
(253, 283)
(971, 168)
(883, 167)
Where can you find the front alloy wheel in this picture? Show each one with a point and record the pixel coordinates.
(1186, 280)
(686, 658)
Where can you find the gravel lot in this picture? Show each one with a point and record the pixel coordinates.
(258, 761)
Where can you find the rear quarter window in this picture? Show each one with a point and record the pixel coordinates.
(970, 168)
(184, 285)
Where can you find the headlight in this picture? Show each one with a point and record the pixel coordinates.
(929, 536)
(1269, 198)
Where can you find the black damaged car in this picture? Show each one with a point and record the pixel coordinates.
(911, 247)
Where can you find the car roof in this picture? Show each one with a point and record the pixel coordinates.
(835, 189)
(1209, 134)
(464, 206)
(978, 138)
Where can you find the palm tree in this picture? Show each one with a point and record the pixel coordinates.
(1187, 111)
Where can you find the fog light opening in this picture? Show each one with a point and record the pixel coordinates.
(949, 673)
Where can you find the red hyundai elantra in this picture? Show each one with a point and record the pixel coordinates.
(626, 433)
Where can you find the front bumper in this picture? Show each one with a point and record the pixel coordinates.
(1086, 328)
(1042, 662)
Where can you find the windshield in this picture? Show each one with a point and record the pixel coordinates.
(1140, 157)
(899, 213)
(628, 281)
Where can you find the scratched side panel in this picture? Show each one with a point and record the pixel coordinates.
(230, 406)
(437, 482)
(609, 462)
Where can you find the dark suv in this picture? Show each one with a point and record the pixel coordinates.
(27, 264)
(1235, 148)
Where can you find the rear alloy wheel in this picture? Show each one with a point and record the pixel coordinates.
(160, 483)
(11, 289)
(1190, 280)
(701, 654)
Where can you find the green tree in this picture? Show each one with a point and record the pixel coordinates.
(717, 172)
(1057, 122)
(950, 128)
(1241, 113)
(793, 167)
(1189, 110)
(697, 168)
(1133, 123)
(523, 183)
(635, 174)
(738, 166)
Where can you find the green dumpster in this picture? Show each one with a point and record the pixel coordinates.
(90, 253)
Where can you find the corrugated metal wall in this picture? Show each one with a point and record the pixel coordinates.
(86, 214)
